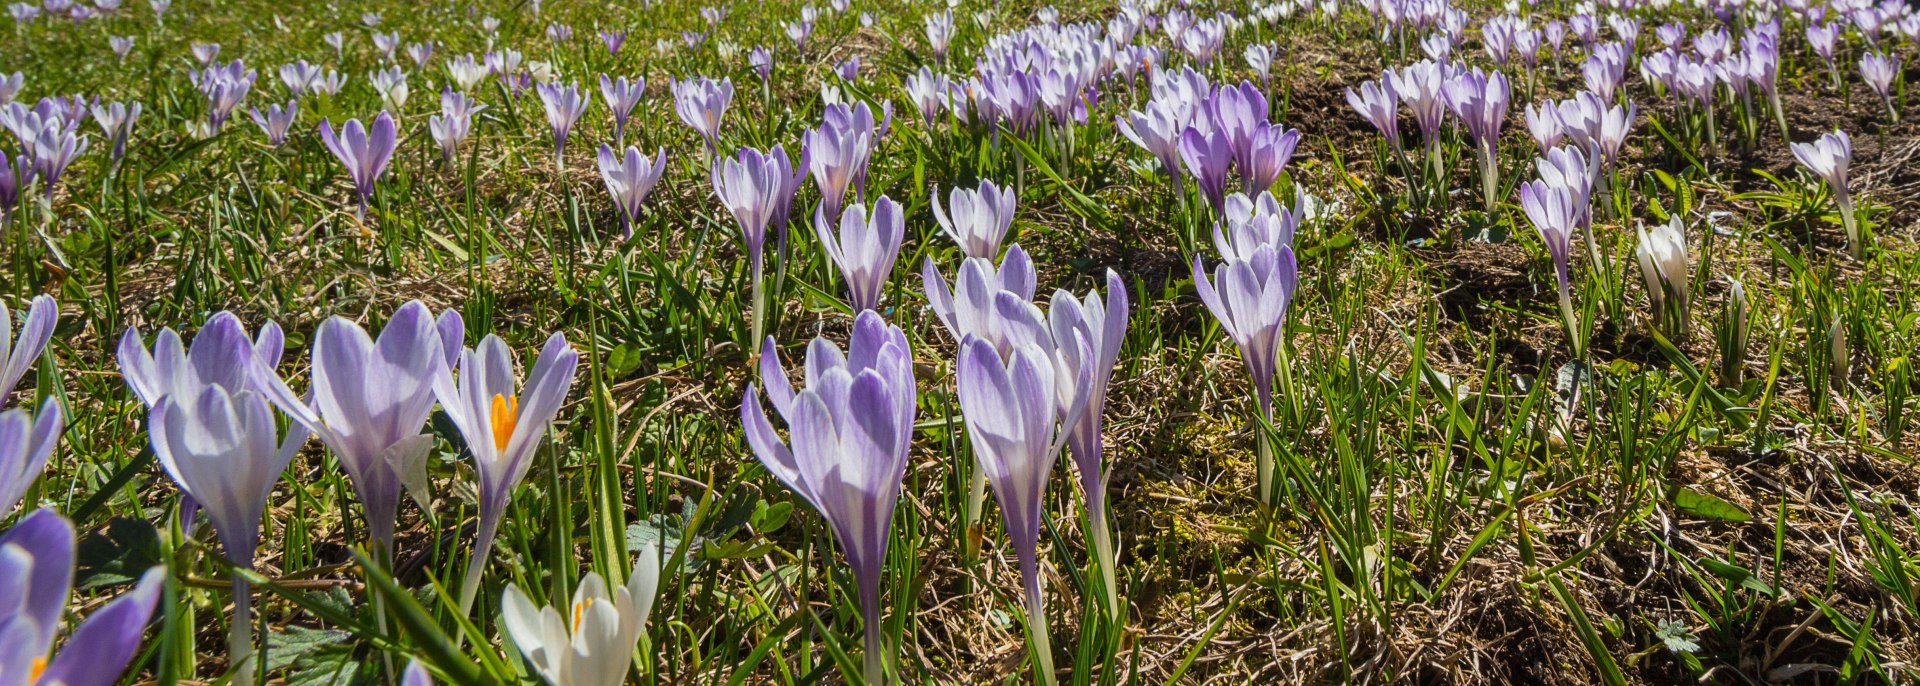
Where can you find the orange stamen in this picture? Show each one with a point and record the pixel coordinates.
(506, 413)
(579, 612)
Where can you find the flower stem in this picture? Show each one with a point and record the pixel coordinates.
(1041, 651)
(1103, 556)
(240, 634)
(876, 669)
(482, 549)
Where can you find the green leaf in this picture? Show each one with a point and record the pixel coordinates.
(334, 665)
(119, 555)
(296, 642)
(1708, 506)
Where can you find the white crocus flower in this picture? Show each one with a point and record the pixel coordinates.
(1663, 264)
(592, 644)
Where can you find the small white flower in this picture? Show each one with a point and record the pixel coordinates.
(593, 644)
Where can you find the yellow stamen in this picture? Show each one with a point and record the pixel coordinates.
(580, 611)
(506, 413)
(33, 672)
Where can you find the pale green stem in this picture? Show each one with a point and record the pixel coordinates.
(1103, 555)
(759, 305)
(1856, 243)
(1042, 648)
(482, 550)
(876, 670)
(240, 634)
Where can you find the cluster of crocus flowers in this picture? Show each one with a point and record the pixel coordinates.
(849, 431)
(365, 150)
(37, 559)
(500, 430)
(1828, 158)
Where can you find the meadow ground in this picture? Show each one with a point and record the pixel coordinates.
(1460, 495)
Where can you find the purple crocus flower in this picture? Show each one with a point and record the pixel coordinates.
(121, 45)
(365, 151)
(502, 432)
(564, 105)
(204, 53)
(1250, 299)
(613, 40)
(1376, 102)
(837, 154)
(276, 122)
(1208, 156)
(1479, 100)
(224, 451)
(369, 400)
(1421, 86)
(1157, 130)
(1828, 158)
(10, 85)
(1878, 70)
(36, 578)
(1103, 326)
(629, 178)
(1542, 125)
(17, 355)
(850, 430)
(420, 54)
(54, 148)
(849, 69)
(864, 249)
(1019, 413)
(454, 122)
(1555, 211)
(25, 444)
(1824, 39)
(928, 91)
(702, 103)
(967, 309)
(749, 184)
(621, 96)
(15, 175)
(978, 219)
(1269, 151)
(792, 174)
(939, 28)
(761, 60)
(1250, 223)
